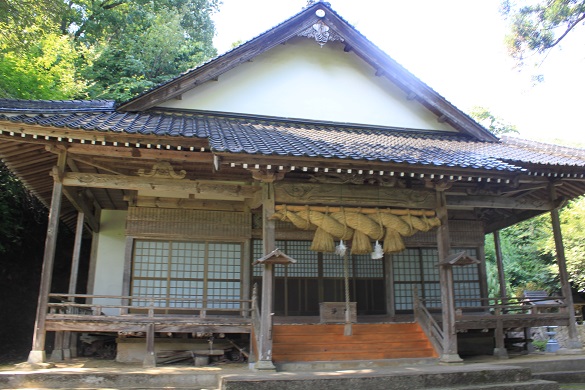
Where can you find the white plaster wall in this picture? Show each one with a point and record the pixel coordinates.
(302, 80)
(109, 270)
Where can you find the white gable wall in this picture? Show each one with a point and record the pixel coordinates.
(302, 80)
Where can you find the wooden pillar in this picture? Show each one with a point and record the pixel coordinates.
(389, 279)
(449, 353)
(70, 338)
(500, 264)
(573, 342)
(269, 242)
(37, 354)
(500, 350)
(150, 357)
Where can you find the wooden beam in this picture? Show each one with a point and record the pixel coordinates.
(198, 189)
(497, 202)
(37, 354)
(81, 206)
(326, 209)
(362, 196)
(142, 153)
(76, 252)
(502, 223)
(190, 204)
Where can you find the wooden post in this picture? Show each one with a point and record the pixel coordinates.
(150, 357)
(500, 350)
(573, 342)
(449, 353)
(70, 338)
(500, 264)
(269, 243)
(37, 354)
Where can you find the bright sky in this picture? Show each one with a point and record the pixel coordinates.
(454, 46)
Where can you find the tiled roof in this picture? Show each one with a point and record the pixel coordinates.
(295, 138)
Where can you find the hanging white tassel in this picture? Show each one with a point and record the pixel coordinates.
(378, 253)
(340, 249)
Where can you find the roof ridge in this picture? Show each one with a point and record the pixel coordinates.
(56, 106)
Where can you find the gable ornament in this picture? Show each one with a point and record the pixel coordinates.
(163, 169)
(321, 32)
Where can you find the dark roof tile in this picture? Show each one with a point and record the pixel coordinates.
(294, 138)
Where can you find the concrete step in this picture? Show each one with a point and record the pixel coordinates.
(562, 376)
(413, 378)
(104, 380)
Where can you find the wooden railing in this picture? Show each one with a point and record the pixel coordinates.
(428, 324)
(152, 306)
(483, 313)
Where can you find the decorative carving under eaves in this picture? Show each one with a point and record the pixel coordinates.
(321, 32)
(336, 194)
(163, 169)
(438, 185)
(267, 176)
(344, 178)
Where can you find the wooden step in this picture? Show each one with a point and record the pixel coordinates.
(327, 342)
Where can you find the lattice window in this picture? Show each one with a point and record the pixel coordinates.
(418, 268)
(366, 267)
(177, 270)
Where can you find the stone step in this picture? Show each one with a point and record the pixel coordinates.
(534, 384)
(439, 377)
(562, 376)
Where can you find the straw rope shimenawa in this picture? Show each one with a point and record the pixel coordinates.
(361, 225)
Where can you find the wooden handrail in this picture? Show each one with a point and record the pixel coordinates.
(427, 322)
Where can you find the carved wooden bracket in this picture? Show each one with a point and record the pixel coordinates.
(163, 169)
(267, 176)
(439, 185)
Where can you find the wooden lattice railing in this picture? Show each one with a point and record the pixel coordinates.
(74, 304)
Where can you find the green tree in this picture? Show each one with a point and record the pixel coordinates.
(572, 219)
(528, 264)
(491, 122)
(541, 25)
(152, 51)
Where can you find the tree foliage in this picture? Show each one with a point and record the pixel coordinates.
(494, 124)
(572, 226)
(55, 49)
(527, 262)
(540, 25)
